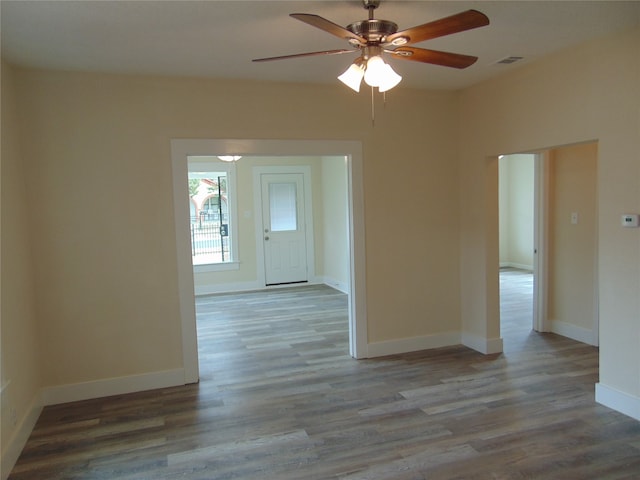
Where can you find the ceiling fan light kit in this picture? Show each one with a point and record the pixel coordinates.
(373, 69)
(352, 76)
(380, 74)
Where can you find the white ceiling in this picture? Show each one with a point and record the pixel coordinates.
(219, 38)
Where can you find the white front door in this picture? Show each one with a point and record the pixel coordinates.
(283, 228)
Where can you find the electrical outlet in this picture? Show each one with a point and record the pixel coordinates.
(574, 218)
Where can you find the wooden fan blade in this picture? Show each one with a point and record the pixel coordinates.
(445, 59)
(439, 28)
(328, 26)
(298, 55)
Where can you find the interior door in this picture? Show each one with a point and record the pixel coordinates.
(284, 232)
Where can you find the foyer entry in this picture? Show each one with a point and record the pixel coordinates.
(350, 151)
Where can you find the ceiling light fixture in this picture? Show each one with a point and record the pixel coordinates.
(373, 69)
(229, 158)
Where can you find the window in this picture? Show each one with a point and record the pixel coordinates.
(212, 222)
(283, 208)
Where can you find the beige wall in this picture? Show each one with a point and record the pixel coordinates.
(572, 292)
(335, 219)
(516, 204)
(99, 152)
(586, 93)
(20, 364)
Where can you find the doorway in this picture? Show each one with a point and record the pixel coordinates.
(517, 243)
(351, 151)
(564, 248)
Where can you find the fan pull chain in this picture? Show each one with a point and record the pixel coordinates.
(373, 110)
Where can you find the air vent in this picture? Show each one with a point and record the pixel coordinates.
(509, 60)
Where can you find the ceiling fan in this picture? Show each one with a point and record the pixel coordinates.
(374, 37)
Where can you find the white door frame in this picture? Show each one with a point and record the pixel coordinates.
(540, 241)
(305, 170)
(351, 150)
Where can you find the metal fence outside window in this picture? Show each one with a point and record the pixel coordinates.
(209, 238)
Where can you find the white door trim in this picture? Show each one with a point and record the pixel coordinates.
(305, 170)
(351, 150)
(540, 241)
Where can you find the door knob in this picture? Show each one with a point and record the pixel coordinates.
(266, 238)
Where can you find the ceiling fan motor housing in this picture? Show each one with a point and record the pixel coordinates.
(373, 30)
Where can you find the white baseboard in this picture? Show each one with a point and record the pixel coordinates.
(574, 332)
(519, 266)
(338, 285)
(201, 290)
(617, 400)
(482, 344)
(14, 447)
(112, 386)
(413, 344)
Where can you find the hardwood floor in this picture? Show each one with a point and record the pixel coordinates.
(280, 398)
(516, 307)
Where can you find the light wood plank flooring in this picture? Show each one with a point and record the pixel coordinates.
(281, 399)
(516, 306)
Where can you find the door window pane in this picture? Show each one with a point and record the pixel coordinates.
(282, 207)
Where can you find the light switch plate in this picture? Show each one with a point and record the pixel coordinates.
(630, 220)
